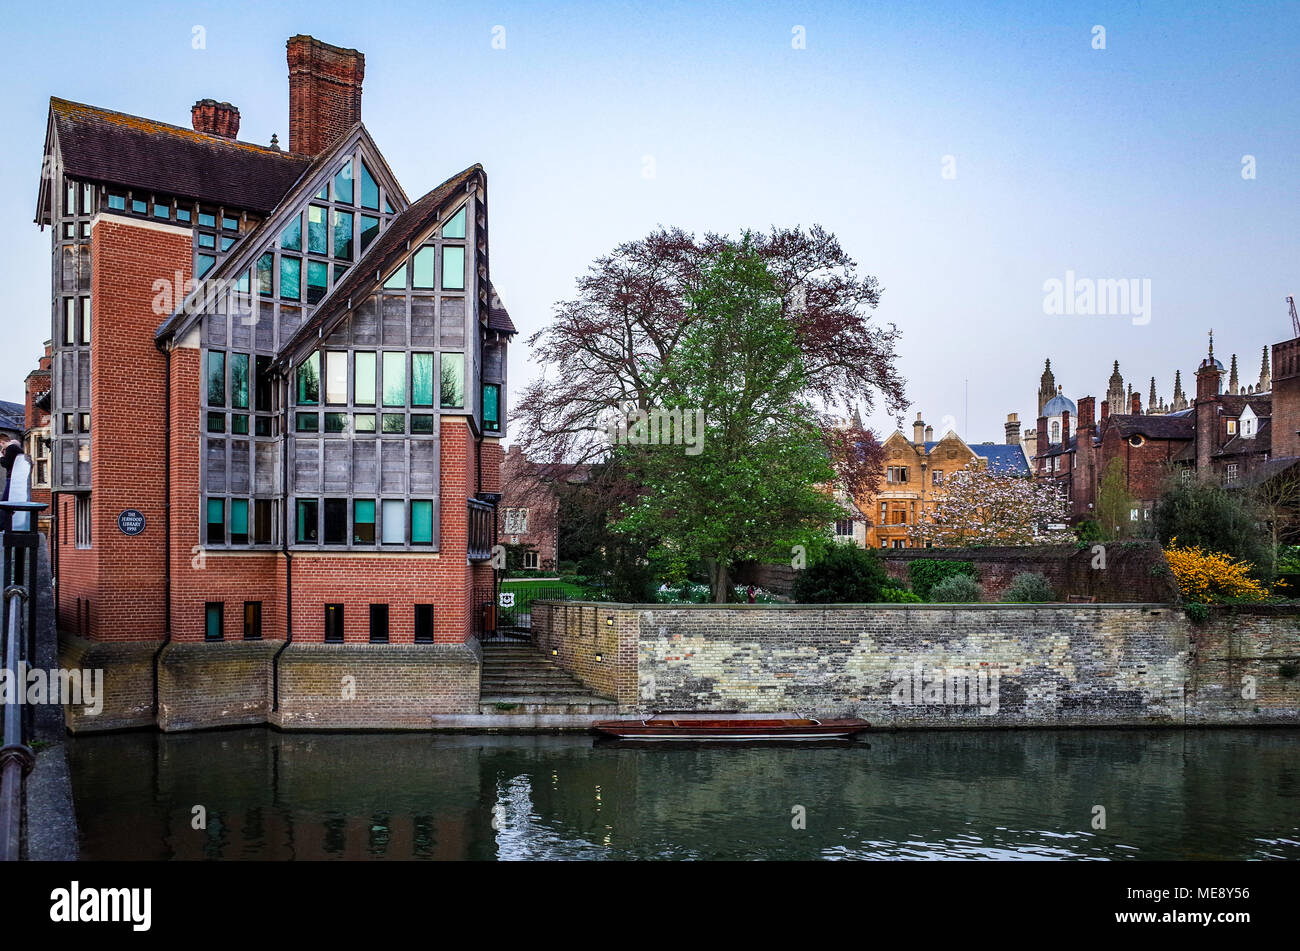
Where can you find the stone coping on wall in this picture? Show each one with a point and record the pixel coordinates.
(884, 605)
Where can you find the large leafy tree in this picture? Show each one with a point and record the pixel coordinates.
(983, 507)
(1115, 503)
(608, 347)
(756, 482)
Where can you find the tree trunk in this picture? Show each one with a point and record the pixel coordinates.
(719, 579)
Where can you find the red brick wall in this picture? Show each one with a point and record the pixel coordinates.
(324, 93)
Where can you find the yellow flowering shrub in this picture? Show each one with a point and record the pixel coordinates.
(1210, 576)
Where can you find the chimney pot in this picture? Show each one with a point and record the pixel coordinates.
(215, 118)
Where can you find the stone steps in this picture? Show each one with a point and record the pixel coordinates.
(517, 679)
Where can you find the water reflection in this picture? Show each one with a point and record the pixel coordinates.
(1004, 795)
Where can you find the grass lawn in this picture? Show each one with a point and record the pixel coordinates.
(525, 591)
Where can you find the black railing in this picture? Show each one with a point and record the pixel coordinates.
(506, 613)
(18, 629)
(482, 518)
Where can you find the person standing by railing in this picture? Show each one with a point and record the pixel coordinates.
(8, 457)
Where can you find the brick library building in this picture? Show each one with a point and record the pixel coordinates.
(277, 394)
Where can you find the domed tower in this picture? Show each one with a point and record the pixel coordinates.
(1046, 387)
(1055, 410)
(1116, 398)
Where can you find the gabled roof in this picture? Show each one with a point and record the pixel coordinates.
(497, 317)
(241, 256)
(100, 145)
(13, 416)
(1002, 458)
(1262, 441)
(393, 245)
(1181, 425)
(1235, 404)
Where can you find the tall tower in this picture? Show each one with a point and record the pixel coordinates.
(1153, 403)
(1234, 385)
(1209, 384)
(1116, 400)
(1265, 381)
(1046, 387)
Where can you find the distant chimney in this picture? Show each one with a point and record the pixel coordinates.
(215, 118)
(929, 434)
(1040, 442)
(1135, 404)
(1065, 428)
(1087, 407)
(918, 430)
(324, 93)
(1105, 410)
(1013, 429)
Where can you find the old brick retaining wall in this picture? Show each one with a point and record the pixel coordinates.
(1131, 571)
(1026, 665)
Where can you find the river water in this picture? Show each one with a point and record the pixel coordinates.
(259, 794)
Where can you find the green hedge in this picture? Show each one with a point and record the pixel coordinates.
(928, 572)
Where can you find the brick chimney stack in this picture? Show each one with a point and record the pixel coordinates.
(1135, 404)
(1105, 410)
(1065, 428)
(1087, 408)
(324, 93)
(918, 430)
(1013, 429)
(1041, 445)
(215, 118)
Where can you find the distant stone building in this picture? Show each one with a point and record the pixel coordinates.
(36, 433)
(529, 510)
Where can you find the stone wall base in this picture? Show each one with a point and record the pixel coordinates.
(202, 685)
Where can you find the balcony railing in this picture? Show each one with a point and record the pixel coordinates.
(482, 518)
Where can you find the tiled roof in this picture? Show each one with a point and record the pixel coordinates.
(391, 246)
(13, 416)
(115, 148)
(498, 318)
(1003, 459)
(1181, 425)
(1238, 445)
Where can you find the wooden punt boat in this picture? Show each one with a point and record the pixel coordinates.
(730, 726)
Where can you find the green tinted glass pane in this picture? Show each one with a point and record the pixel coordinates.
(453, 268)
(422, 379)
(421, 424)
(364, 511)
(363, 389)
(491, 406)
(239, 380)
(309, 380)
(455, 226)
(364, 422)
(318, 276)
(324, 194)
(397, 280)
(394, 422)
(264, 264)
(316, 241)
(227, 243)
(182, 214)
(262, 425)
(421, 522)
(343, 183)
(336, 422)
(369, 189)
(453, 380)
(206, 220)
(216, 422)
(422, 268)
(369, 230)
(216, 511)
(212, 622)
(239, 424)
(239, 516)
(308, 510)
(291, 236)
(343, 235)
(216, 378)
(307, 423)
(394, 379)
(363, 521)
(388, 206)
(290, 278)
(203, 264)
(207, 240)
(117, 202)
(242, 284)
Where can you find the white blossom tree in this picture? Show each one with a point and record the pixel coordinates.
(981, 507)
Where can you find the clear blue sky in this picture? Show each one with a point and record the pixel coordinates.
(1116, 163)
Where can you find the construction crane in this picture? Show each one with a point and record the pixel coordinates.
(1295, 319)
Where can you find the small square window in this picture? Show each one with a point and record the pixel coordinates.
(307, 423)
(216, 422)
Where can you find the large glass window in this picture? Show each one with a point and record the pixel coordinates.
(394, 518)
(369, 189)
(336, 377)
(336, 522)
(239, 380)
(422, 269)
(318, 279)
(453, 267)
(343, 235)
(421, 522)
(291, 236)
(343, 184)
(316, 239)
(363, 521)
(394, 379)
(264, 281)
(290, 278)
(216, 378)
(308, 520)
(309, 381)
(422, 379)
(455, 226)
(364, 384)
(239, 521)
(216, 534)
(453, 381)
